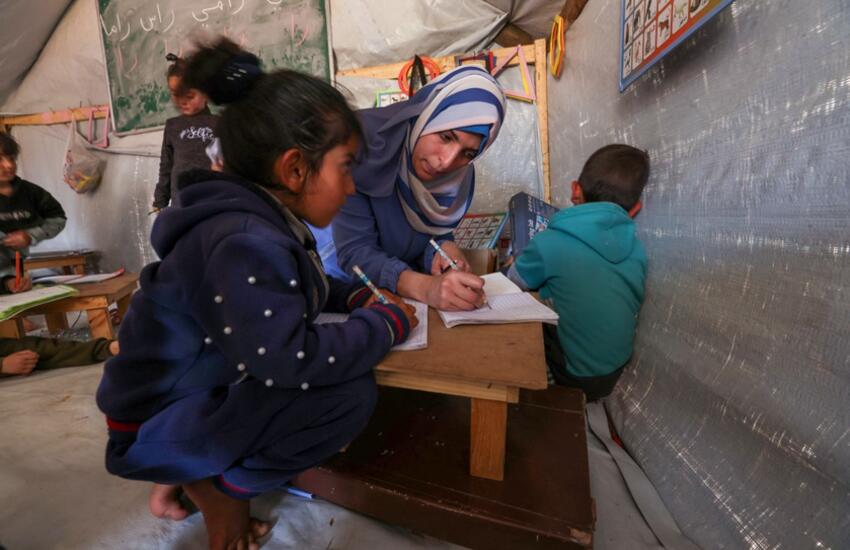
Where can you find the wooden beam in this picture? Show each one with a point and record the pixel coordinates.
(572, 9)
(542, 92)
(459, 387)
(55, 117)
(446, 63)
(512, 36)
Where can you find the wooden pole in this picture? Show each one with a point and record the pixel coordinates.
(543, 114)
(55, 117)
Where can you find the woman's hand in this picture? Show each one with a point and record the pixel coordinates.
(455, 291)
(440, 265)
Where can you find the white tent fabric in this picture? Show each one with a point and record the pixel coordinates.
(25, 26)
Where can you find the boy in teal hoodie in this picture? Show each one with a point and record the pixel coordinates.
(591, 266)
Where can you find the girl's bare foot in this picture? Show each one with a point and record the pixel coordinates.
(228, 521)
(164, 502)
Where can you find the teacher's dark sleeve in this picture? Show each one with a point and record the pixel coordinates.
(357, 243)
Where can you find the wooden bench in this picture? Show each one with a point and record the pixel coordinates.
(93, 298)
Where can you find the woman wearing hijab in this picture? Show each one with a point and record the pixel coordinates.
(415, 183)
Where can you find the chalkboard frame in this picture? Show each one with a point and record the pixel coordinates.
(147, 129)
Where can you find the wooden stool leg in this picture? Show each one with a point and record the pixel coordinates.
(56, 321)
(488, 428)
(11, 329)
(101, 326)
(123, 305)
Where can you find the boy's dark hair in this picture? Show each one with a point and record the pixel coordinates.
(268, 113)
(8, 146)
(615, 173)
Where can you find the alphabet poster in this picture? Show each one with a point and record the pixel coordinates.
(650, 29)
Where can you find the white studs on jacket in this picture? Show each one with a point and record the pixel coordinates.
(331, 359)
(228, 330)
(252, 280)
(300, 354)
(305, 386)
(269, 382)
(218, 299)
(293, 283)
(208, 340)
(261, 351)
(241, 367)
(268, 313)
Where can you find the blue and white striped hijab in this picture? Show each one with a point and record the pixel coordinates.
(467, 97)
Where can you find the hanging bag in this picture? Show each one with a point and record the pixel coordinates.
(82, 169)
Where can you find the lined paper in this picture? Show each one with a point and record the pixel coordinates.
(504, 309)
(418, 339)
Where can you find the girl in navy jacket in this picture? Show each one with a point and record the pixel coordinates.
(224, 387)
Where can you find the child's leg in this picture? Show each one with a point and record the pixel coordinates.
(164, 502)
(54, 353)
(228, 520)
(594, 387)
(303, 435)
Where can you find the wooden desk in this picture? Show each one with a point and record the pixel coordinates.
(71, 262)
(486, 363)
(94, 299)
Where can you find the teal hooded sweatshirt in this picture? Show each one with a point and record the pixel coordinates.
(590, 263)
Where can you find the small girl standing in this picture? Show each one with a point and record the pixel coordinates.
(224, 387)
(186, 136)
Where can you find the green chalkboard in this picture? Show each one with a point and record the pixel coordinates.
(137, 34)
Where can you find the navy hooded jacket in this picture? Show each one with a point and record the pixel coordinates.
(235, 295)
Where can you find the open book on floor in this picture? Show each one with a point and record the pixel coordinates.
(418, 339)
(77, 279)
(12, 304)
(508, 304)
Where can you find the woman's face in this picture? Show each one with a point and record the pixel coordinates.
(436, 155)
(328, 187)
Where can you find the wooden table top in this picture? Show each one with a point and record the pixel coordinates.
(111, 288)
(510, 355)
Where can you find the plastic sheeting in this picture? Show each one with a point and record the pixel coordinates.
(533, 16)
(25, 26)
(377, 33)
(735, 403)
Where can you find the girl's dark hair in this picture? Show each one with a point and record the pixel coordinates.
(267, 114)
(8, 146)
(615, 173)
(177, 67)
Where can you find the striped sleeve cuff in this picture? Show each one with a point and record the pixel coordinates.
(358, 298)
(396, 321)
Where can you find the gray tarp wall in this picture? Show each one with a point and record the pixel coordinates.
(736, 402)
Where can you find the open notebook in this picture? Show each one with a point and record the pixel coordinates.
(418, 339)
(12, 304)
(78, 279)
(508, 304)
